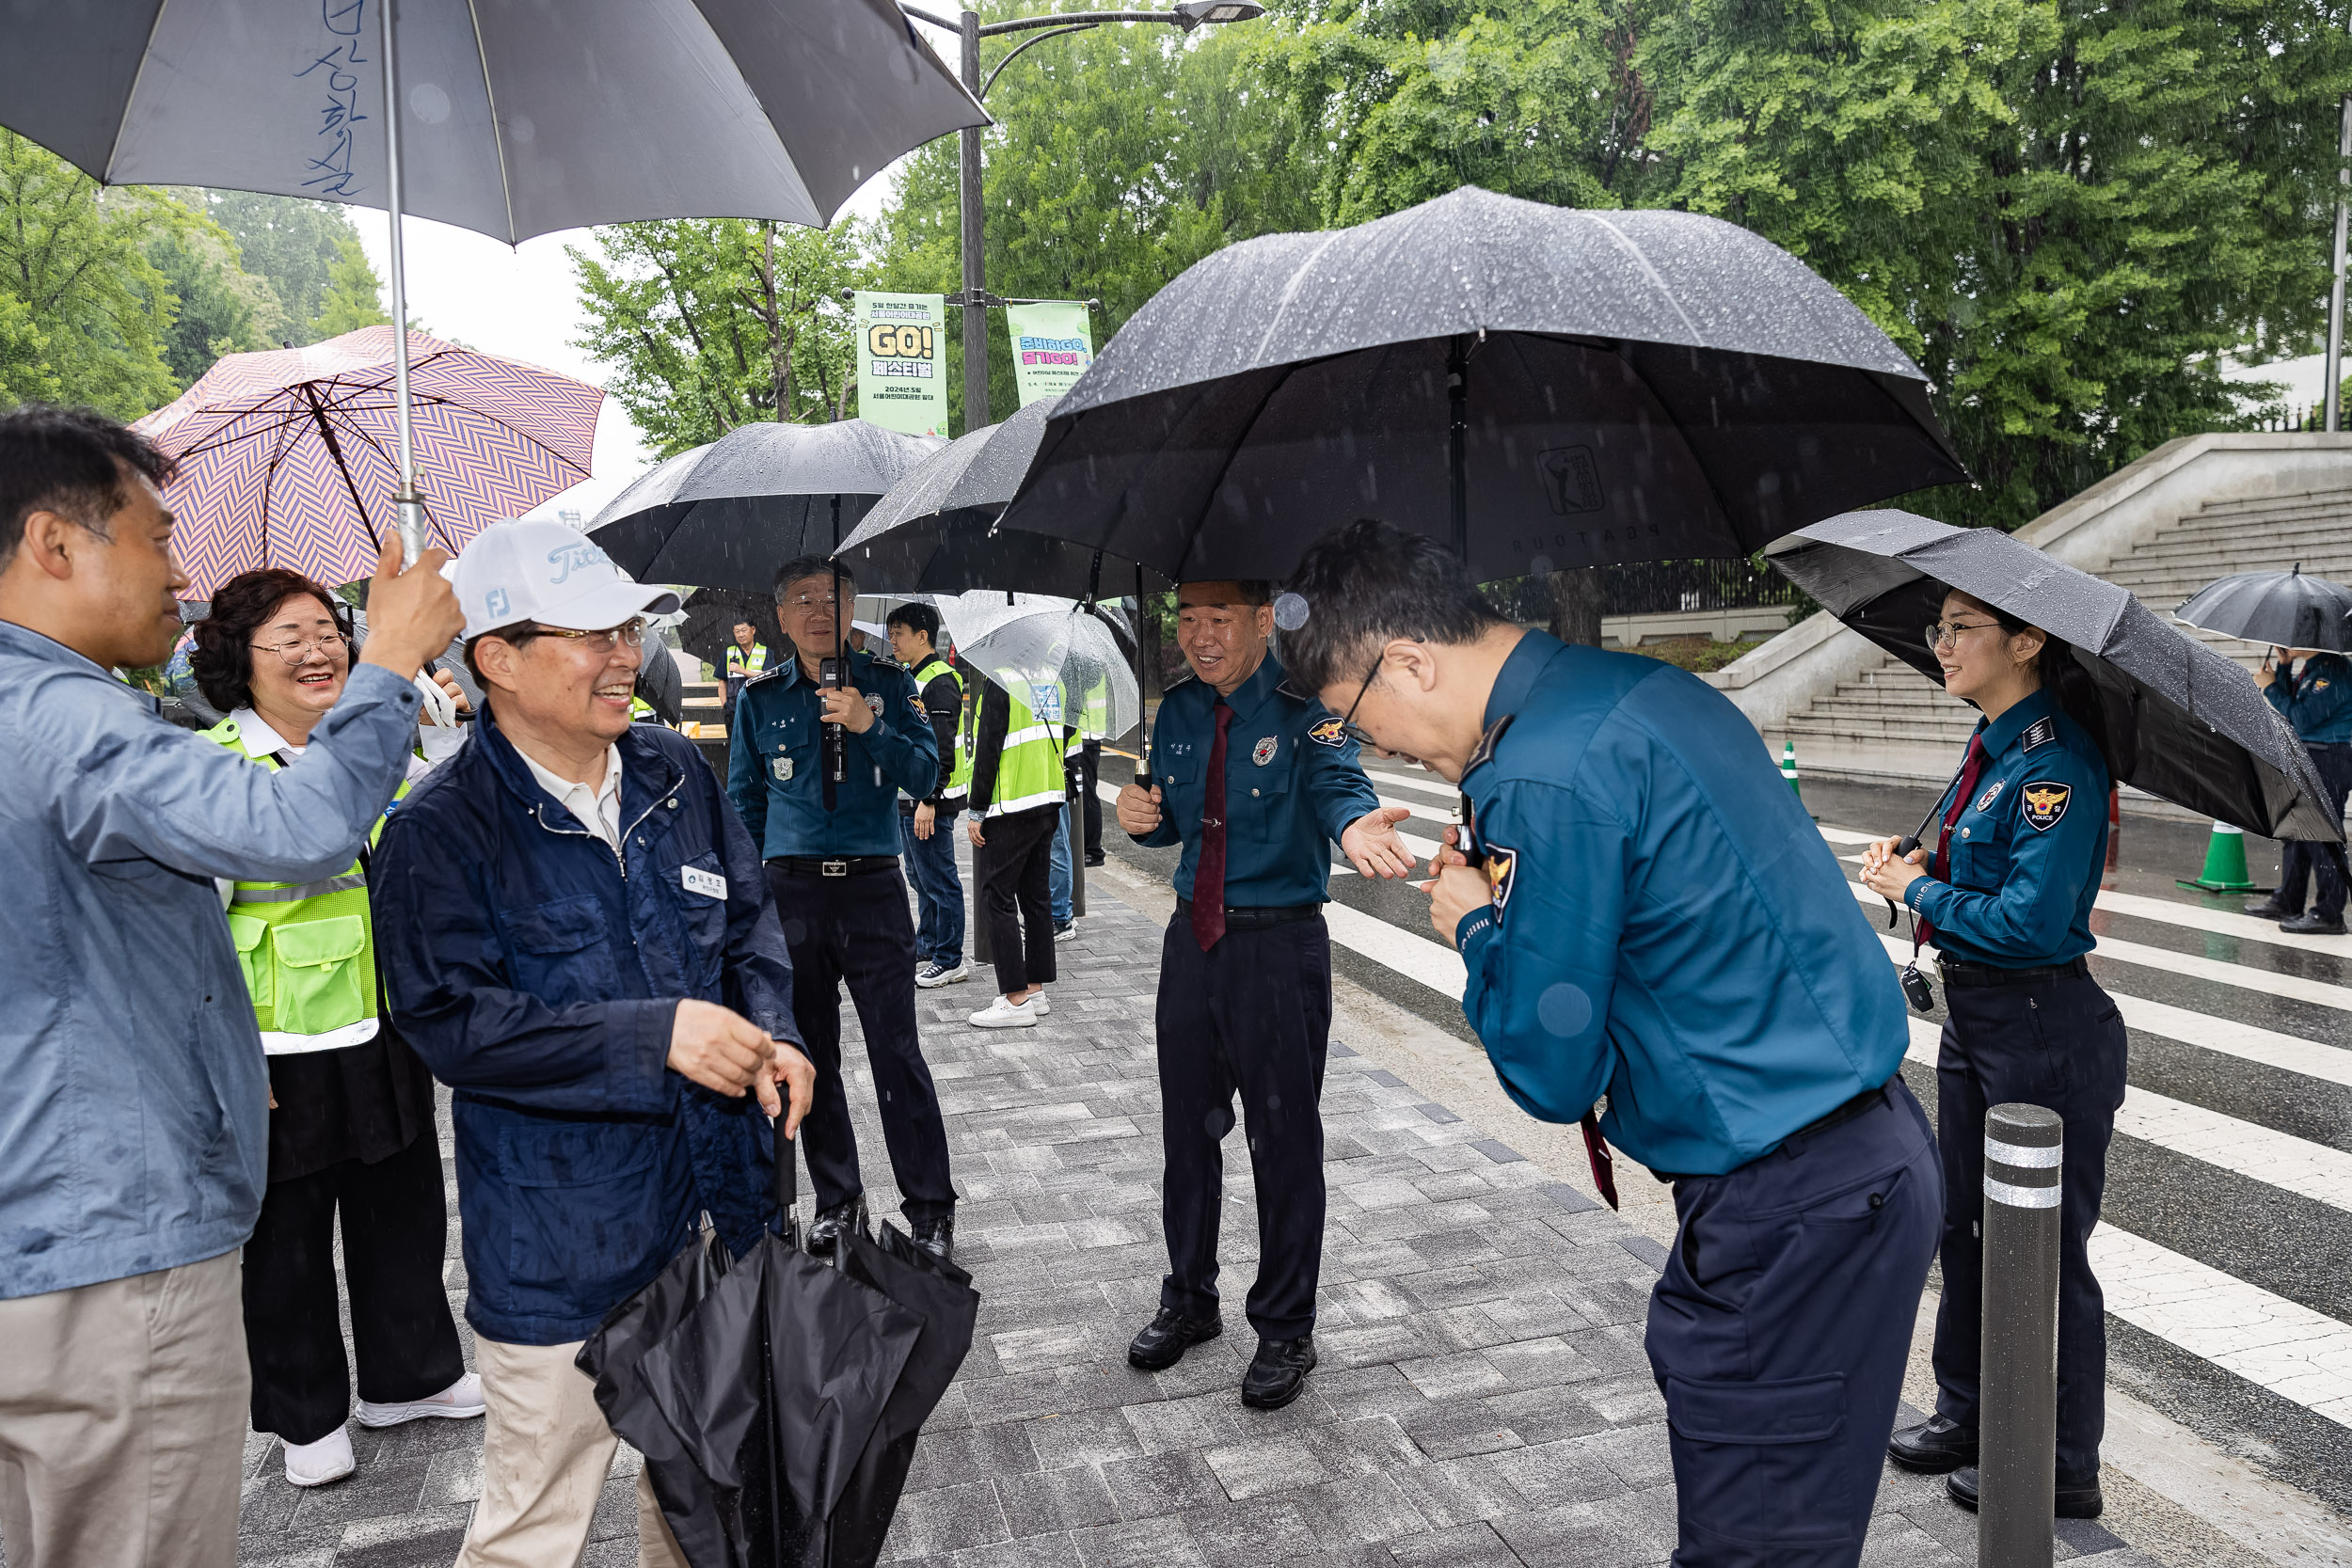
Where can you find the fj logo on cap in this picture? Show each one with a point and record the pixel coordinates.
(497, 603)
(2045, 803)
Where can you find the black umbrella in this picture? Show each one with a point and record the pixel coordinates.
(2285, 610)
(2174, 718)
(728, 514)
(1537, 386)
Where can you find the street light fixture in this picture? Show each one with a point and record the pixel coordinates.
(976, 299)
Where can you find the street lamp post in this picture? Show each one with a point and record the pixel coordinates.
(976, 299)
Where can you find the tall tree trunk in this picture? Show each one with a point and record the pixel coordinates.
(1576, 604)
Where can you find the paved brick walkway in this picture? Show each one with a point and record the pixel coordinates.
(1482, 1396)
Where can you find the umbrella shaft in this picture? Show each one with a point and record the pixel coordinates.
(412, 509)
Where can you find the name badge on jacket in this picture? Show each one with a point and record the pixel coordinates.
(698, 880)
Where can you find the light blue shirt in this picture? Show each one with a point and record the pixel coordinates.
(135, 1127)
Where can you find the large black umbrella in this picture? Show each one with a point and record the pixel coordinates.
(728, 514)
(1538, 387)
(2175, 719)
(2285, 610)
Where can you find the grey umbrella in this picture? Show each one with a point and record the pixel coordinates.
(2285, 610)
(1538, 387)
(508, 116)
(2174, 718)
(728, 514)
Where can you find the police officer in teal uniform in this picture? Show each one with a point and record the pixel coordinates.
(2004, 895)
(1256, 782)
(1653, 920)
(832, 851)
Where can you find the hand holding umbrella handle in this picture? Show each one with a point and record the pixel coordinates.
(788, 1173)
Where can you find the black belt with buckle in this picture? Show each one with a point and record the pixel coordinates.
(1869, 1099)
(1957, 973)
(1256, 917)
(845, 865)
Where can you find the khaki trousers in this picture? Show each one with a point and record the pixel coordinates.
(122, 1413)
(545, 1452)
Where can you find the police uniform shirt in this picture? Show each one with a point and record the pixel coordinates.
(1292, 786)
(775, 763)
(1666, 924)
(2318, 700)
(2029, 848)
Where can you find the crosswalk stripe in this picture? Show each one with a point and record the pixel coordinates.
(1420, 958)
(1427, 784)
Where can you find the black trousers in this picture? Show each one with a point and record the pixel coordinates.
(2059, 1044)
(395, 1225)
(1015, 872)
(1779, 1330)
(2298, 859)
(857, 929)
(1250, 1016)
(1090, 800)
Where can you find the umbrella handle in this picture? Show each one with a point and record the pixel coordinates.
(787, 1172)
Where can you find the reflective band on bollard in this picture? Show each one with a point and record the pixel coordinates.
(2017, 1403)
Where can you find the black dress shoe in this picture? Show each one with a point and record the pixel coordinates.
(1933, 1447)
(1094, 857)
(937, 1237)
(2075, 1500)
(825, 1230)
(1277, 1372)
(2312, 923)
(2270, 909)
(1166, 1338)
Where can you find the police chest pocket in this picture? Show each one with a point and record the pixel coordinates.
(560, 951)
(1768, 1470)
(252, 937)
(586, 1219)
(318, 974)
(1264, 787)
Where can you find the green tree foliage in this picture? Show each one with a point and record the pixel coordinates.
(354, 297)
(711, 323)
(296, 247)
(221, 309)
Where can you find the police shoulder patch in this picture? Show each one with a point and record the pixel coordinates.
(2044, 801)
(1328, 732)
(2040, 733)
(1503, 872)
(920, 711)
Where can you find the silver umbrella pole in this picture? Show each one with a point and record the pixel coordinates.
(411, 505)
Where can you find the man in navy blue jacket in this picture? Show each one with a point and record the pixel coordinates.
(578, 939)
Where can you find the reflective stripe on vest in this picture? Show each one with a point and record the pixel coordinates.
(742, 663)
(1029, 772)
(307, 949)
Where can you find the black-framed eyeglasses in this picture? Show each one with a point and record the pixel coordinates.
(301, 648)
(1348, 726)
(1940, 634)
(630, 632)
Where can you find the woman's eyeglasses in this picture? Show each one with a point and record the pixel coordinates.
(1945, 634)
(332, 645)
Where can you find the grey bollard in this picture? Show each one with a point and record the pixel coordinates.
(2017, 1387)
(1077, 852)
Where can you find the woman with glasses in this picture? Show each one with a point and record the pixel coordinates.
(2005, 894)
(350, 1106)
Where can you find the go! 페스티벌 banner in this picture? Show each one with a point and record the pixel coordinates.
(901, 379)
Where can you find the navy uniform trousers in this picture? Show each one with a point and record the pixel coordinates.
(1779, 1333)
(857, 929)
(2058, 1043)
(1252, 1017)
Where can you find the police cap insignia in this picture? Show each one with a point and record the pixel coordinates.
(1326, 732)
(2044, 802)
(1502, 868)
(2040, 733)
(1263, 752)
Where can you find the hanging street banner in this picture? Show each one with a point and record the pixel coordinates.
(1052, 345)
(901, 377)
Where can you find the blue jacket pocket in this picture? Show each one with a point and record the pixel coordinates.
(560, 951)
(590, 1217)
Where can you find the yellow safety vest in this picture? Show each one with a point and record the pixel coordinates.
(1029, 772)
(960, 780)
(308, 949)
(742, 663)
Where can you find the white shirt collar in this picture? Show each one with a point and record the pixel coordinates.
(598, 809)
(259, 739)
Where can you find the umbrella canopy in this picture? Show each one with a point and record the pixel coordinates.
(1052, 653)
(2284, 609)
(2175, 719)
(728, 514)
(1537, 386)
(513, 120)
(286, 457)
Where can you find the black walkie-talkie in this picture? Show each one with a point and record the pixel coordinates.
(837, 736)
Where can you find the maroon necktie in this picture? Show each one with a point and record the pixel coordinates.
(1208, 878)
(1940, 867)
(1596, 1155)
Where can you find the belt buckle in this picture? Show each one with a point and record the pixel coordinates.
(832, 869)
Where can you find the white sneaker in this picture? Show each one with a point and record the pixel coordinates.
(460, 1399)
(935, 974)
(1041, 1003)
(316, 1464)
(1001, 1014)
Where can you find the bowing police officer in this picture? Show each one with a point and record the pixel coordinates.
(2006, 898)
(1256, 782)
(831, 846)
(1655, 921)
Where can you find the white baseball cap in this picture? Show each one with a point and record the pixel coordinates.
(539, 569)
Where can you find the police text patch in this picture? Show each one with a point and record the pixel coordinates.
(1503, 869)
(1328, 732)
(2044, 802)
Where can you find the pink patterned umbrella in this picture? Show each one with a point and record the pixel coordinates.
(290, 457)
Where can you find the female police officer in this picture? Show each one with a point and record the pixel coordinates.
(2007, 901)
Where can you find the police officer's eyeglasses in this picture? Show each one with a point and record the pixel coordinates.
(630, 632)
(1945, 634)
(1348, 726)
(815, 601)
(332, 645)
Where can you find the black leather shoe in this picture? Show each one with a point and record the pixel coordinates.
(2075, 1499)
(1933, 1447)
(1277, 1372)
(1095, 857)
(825, 1230)
(2270, 909)
(2312, 923)
(937, 1237)
(1166, 1338)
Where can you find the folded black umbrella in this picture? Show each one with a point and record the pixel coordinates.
(2285, 610)
(1535, 386)
(2174, 718)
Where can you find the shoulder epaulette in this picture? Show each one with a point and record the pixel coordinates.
(1486, 744)
(2040, 733)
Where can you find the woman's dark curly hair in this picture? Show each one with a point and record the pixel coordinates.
(222, 657)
